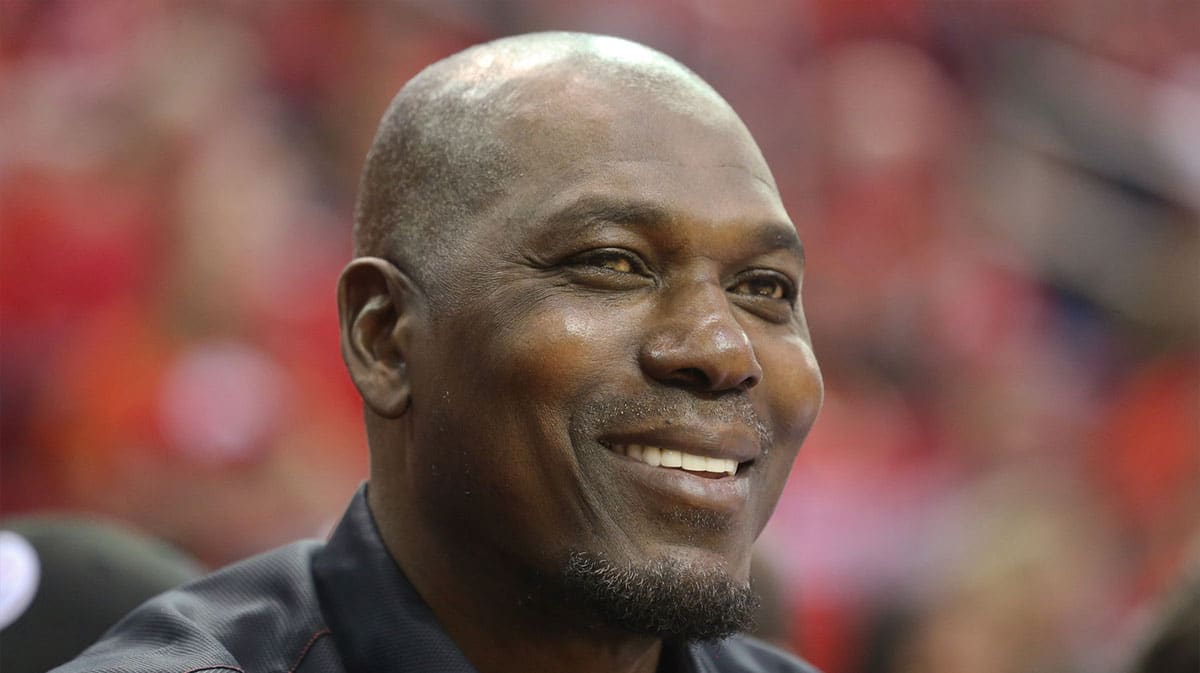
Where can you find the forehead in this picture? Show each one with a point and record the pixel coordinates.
(675, 149)
(567, 111)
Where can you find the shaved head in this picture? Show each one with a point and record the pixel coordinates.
(462, 128)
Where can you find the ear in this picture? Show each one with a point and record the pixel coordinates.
(376, 306)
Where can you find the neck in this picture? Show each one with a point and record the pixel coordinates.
(494, 617)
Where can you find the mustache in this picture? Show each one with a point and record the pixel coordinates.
(670, 406)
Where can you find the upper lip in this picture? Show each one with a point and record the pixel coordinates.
(729, 442)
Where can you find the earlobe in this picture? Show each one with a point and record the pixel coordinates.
(376, 304)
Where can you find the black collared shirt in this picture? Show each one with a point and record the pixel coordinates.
(339, 607)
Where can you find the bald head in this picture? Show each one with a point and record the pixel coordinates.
(458, 131)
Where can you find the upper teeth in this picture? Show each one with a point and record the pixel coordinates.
(659, 457)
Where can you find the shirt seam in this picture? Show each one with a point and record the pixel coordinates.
(308, 648)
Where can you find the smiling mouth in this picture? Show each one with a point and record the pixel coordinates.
(654, 456)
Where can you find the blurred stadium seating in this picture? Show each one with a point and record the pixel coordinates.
(1000, 203)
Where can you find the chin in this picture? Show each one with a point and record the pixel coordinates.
(691, 595)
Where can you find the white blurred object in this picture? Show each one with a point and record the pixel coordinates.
(20, 574)
(222, 401)
(889, 104)
(1176, 127)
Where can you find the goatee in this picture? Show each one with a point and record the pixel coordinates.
(666, 598)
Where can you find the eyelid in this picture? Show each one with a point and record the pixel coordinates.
(636, 263)
(790, 288)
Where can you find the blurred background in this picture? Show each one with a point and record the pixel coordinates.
(1000, 201)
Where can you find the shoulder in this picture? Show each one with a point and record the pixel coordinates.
(260, 614)
(743, 654)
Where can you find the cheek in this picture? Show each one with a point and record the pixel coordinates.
(795, 390)
(552, 355)
(521, 382)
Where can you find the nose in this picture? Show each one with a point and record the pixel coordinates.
(697, 343)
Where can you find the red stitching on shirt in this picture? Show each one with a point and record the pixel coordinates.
(307, 647)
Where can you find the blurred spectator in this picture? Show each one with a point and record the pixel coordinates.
(64, 582)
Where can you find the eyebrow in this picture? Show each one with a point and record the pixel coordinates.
(595, 211)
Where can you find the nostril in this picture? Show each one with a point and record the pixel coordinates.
(692, 376)
(749, 382)
(698, 379)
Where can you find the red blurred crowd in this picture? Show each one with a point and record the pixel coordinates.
(1000, 203)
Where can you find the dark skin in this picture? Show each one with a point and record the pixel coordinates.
(637, 283)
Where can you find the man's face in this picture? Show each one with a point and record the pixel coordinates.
(633, 299)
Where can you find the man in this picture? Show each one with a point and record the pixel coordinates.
(574, 321)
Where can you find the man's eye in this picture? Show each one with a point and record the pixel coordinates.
(767, 286)
(614, 263)
(617, 261)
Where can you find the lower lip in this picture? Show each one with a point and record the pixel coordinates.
(726, 494)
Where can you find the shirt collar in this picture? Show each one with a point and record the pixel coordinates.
(378, 620)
